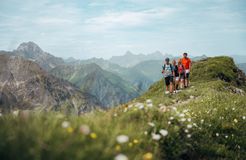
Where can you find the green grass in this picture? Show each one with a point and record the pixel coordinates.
(216, 116)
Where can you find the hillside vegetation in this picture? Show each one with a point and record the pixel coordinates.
(205, 121)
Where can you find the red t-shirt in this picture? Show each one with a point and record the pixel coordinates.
(186, 62)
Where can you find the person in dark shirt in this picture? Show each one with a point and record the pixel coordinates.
(176, 76)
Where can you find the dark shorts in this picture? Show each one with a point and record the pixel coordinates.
(187, 75)
(168, 80)
(182, 76)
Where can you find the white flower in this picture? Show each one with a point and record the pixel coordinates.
(171, 118)
(188, 135)
(189, 119)
(226, 136)
(148, 101)
(150, 105)
(186, 131)
(168, 122)
(16, 113)
(181, 115)
(151, 124)
(65, 124)
(217, 134)
(202, 120)
(121, 157)
(125, 110)
(141, 106)
(163, 132)
(233, 108)
(183, 119)
(235, 120)
(85, 129)
(243, 117)
(122, 139)
(156, 137)
(145, 132)
(189, 126)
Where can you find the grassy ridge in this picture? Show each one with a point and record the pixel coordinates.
(211, 125)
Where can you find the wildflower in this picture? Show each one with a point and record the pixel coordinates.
(156, 137)
(202, 120)
(189, 119)
(150, 105)
(84, 129)
(121, 157)
(186, 131)
(70, 130)
(226, 136)
(148, 156)
(189, 126)
(141, 106)
(151, 124)
(183, 119)
(168, 122)
(163, 132)
(65, 124)
(130, 144)
(217, 134)
(93, 135)
(171, 118)
(145, 132)
(233, 108)
(181, 115)
(125, 110)
(135, 141)
(117, 147)
(235, 120)
(148, 101)
(244, 117)
(122, 139)
(188, 135)
(16, 113)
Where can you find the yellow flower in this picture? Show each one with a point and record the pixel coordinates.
(135, 141)
(130, 144)
(93, 135)
(148, 156)
(117, 148)
(70, 130)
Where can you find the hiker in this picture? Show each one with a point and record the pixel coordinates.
(187, 65)
(167, 71)
(181, 71)
(176, 76)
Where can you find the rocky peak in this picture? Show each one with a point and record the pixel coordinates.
(29, 47)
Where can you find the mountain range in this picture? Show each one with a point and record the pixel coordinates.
(105, 83)
(25, 85)
(110, 89)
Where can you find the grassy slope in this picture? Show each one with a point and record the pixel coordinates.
(215, 110)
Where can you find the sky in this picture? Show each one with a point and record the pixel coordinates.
(103, 28)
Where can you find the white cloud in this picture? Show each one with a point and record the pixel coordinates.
(113, 20)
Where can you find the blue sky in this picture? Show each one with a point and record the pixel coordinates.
(103, 28)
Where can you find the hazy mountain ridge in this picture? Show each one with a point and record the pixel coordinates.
(130, 59)
(31, 51)
(109, 88)
(25, 85)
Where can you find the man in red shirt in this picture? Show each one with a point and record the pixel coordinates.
(187, 65)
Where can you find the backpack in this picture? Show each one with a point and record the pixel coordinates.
(164, 67)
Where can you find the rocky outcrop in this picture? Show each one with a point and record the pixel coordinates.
(25, 85)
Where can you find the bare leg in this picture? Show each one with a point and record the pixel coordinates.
(171, 87)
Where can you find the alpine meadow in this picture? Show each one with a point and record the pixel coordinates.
(122, 80)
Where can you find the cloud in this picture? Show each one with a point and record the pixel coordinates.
(125, 19)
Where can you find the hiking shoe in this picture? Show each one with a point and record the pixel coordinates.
(167, 92)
